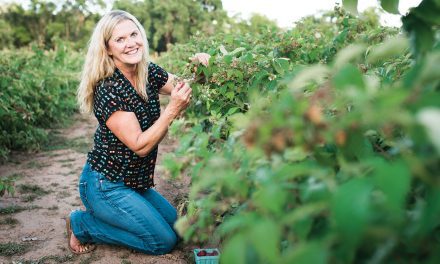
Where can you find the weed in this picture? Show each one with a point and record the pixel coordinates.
(67, 165)
(9, 221)
(89, 259)
(46, 259)
(54, 207)
(63, 194)
(29, 198)
(79, 144)
(12, 209)
(33, 189)
(66, 160)
(12, 248)
(35, 165)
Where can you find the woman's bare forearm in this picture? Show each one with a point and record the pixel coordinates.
(150, 138)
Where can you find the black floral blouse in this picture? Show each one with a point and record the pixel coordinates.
(109, 155)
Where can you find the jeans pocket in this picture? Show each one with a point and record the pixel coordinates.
(83, 195)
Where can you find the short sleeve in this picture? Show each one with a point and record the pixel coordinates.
(107, 100)
(157, 76)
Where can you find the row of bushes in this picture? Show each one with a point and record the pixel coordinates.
(296, 163)
(37, 92)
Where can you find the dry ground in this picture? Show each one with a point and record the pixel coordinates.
(46, 191)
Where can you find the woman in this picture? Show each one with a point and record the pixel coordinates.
(116, 183)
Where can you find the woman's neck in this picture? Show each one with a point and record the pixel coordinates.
(129, 72)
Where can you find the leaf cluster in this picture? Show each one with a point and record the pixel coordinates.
(303, 151)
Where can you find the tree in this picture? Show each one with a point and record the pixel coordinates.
(168, 21)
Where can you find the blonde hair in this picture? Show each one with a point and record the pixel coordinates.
(99, 65)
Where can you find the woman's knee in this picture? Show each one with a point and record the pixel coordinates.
(164, 244)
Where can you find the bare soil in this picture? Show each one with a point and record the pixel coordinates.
(41, 225)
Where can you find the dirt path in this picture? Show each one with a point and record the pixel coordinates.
(32, 226)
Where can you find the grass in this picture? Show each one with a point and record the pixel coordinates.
(54, 207)
(90, 258)
(33, 191)
(63, 194)
(35, 165)
(80, 144)
(67, 165)
(12, 248)
(29, 198)
(66, 160)
(12, 209)
(9, 221)
(50, 259)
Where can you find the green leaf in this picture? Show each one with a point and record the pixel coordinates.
(230, 95)
(248, 58)
(348, 77)
(237, 51)
(232, 111)
(420, 34)
(266, 237)
(393, 179)
(281, 65)
(351, 208)
(235, 250)
(271, 197)
(428, 11)
(312, 252)
(350, 5)
(431, 213)
(228, 59)
(391, 6)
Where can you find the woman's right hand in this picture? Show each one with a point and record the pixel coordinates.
(180, 98)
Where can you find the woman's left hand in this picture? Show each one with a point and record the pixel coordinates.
(202, 58)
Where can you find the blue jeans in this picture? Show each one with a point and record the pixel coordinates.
(119, 215)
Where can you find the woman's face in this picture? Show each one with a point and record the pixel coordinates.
(125, 45)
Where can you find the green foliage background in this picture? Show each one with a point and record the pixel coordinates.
(315, 145)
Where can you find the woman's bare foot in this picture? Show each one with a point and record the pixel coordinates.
(76, 245)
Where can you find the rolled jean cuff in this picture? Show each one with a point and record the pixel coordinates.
(82, 236)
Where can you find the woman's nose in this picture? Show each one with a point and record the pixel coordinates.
(131, 42)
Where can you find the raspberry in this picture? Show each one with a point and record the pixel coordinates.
(201, 253)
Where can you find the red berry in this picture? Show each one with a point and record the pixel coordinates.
(214, 253)
(201, 253)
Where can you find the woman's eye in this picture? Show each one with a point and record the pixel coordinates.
(119, 40)
(134, 34)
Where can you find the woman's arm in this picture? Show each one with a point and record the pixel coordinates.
(126, 127)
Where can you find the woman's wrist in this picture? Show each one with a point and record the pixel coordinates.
(170, 113)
